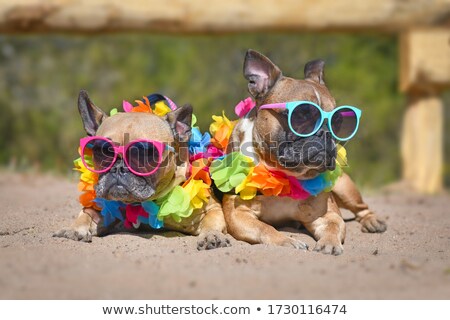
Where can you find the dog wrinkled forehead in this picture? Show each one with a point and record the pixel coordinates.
(125, 127)
(289, 89)
(164, 123)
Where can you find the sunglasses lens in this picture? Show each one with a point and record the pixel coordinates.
(305, 119)
(344, 123)
(99, 154)
(143, 157)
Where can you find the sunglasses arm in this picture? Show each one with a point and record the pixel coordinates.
(273, 106)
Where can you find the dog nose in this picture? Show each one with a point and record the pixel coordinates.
(331, 153)
(326, 135)
(119, 167)
(323, 132)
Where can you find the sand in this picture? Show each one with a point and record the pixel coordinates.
(411, 260)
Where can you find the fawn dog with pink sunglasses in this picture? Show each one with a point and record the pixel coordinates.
(139, 164)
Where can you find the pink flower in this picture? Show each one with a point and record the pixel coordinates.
(244, 107)
(213, 152)
(127, 107)
(132, 214)
(297, 191)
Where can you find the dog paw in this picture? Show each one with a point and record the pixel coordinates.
(329, 246)
(297, 244)
(372, 224)
(77, 235)
(212, 240)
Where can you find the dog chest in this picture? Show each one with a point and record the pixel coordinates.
(278, 210)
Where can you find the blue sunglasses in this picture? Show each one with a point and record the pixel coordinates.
(306, 118)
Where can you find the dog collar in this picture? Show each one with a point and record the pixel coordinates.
(178, 203)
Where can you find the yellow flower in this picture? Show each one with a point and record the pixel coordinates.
(161, 109)
(341, 158)
(219, 122)
(87, 176)
(198, 193)
(86, 185)
(245, 191)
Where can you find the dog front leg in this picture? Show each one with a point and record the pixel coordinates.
(243, 224)
(213, 227)
(328, 229)
(348, 197)
(88, 223)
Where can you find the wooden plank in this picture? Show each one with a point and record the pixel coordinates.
(219, 15)
(422, 144)
(425, 60)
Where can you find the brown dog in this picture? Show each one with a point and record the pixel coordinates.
(268, 134)
(120, 184)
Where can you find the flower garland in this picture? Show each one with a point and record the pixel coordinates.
(179, 203)
(238, 172)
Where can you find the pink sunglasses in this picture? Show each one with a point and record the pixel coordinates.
(142, 157)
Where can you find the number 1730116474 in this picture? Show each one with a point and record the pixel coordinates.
(307, 309)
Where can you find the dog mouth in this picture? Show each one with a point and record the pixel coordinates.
(121, 193)
(320, 162)
(307, 157)
(119, 188)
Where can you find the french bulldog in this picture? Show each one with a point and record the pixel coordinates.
(120, 184)
(271, 140)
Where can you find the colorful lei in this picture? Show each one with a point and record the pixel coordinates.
(237, 172)
(179, 203)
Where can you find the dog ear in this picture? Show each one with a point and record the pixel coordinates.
(314, 71)
(91, 115)
(180, 121)
(261, 74)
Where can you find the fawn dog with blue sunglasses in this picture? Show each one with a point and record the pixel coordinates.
(294, 129)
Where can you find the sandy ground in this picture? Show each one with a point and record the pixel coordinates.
(410, 261)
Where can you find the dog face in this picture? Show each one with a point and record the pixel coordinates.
(119, 183)
(279, 147)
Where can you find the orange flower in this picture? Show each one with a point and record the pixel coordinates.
(220, 139)
(269, 183)
(86, 185)
(221, 130)
(198, 171)
(87, 200)
(142, 106)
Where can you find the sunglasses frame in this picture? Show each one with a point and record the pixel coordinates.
(160, 147)
(290, 106)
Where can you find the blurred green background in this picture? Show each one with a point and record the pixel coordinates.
(42, 75)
